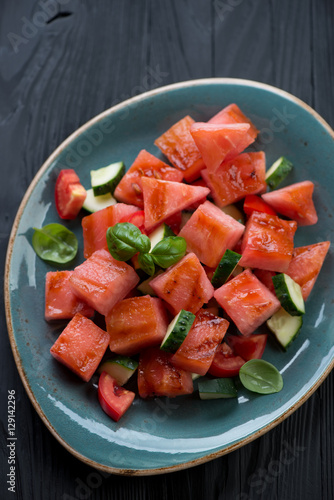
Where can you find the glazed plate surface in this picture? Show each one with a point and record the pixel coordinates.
(163, 435)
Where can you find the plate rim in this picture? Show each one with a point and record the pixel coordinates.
(74, 135)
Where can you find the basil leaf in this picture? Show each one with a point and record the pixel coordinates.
(260, 376)
(55, 243)
(146, 263)
(169, 251)
(125, 240)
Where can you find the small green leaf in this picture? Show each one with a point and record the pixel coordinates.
(125, 240)
(169, 251)
(146, 263)
(55, 243)
(260, 376)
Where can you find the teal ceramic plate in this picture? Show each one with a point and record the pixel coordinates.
(165, 435)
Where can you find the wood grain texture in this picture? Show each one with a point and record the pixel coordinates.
(75, 65)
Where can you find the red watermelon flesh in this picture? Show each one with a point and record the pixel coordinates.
(198, 348)
(234, 179)
(60, 300)
(209, 232)
(233, 114)
(184, 285)
(94, 226)
(218, 143)
(81, 346)
(294, 201)
(130, 189)
(136, 323)
(266, 278)
(267, 242)
(180, 148)
(306, 264)
(163, 199)
(102, 281)
(247, 301)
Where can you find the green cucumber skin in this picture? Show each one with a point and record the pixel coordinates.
(109, 187)
(284, 296)
(284, 168)
(225, 268)
(92, 205)
(179, 332)
(218, 388)
(285, 339)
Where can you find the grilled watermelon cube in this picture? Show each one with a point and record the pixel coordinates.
(136, 323)
(247, 301)
(306, 264)
(267, 242)
(102, 281)
(179, 147)
(130, 189)
(294, 201)
(60, 300)
(184, 285)
(94, 226)
(162, 199)
(233, 114)
(236, 178)
(209, 232)
(157, 376)
(220, 142)
(198, 348)
(81, 346)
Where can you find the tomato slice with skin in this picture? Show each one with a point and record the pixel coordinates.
(69, 194)
(137, 219)
(251, 347)
(225, 363)
(254, 203)
(114, 400)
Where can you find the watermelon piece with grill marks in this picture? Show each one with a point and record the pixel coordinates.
(209, 232)
(233, 114)
(267, 242)
(220, 142)
(235, 179)
(247, 301)
(197, 351)
(95, 225)
(60, 300)
(180, 148)
(102, 281)
(81, 346)
(136, 323)
(163, 199)
(294, 201)
(130, 190)
(306, 264)
(184, 285)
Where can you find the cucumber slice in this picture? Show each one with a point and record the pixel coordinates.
(159, 234)
(226, 266)
(285, 327)
(217, 388)
(277, 172)
(177, 331)
(195, 376)
(289, 294)
(234, 212)
(120, 368)
(145, 288)
(105, 179)
(95, 203)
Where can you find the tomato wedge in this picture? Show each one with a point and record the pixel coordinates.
(251, 347)
(137, 219)
(114, 400)
(254, 203)
(225, 363)
(69, 194)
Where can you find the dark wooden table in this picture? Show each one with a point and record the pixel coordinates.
(64, 61)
